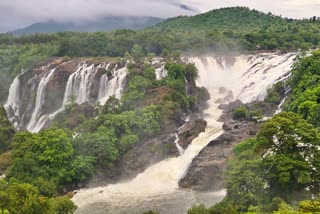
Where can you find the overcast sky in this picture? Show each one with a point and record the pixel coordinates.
(20, 13)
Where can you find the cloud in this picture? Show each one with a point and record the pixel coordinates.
(286, 8)
(20, 13)
(29, 11)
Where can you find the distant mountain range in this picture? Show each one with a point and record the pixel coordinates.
(108, 23)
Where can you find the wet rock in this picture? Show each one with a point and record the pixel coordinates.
(227, 108)
(222, 90)
(227, 126)
(190, 131)
(208, 168)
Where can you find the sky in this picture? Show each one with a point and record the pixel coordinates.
(21, 13)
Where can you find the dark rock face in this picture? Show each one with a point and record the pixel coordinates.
(190, 131)
(206, 172)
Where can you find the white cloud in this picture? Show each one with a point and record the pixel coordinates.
(21, 12)
(18, 13)
(286, 8)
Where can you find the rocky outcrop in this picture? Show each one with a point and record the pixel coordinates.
(190, 131)
(207, 169)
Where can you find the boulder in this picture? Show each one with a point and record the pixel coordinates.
(206, 172)
(190, 131)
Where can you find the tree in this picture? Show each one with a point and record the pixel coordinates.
(137, 53)
(4, 201)
(63, 205)
(290, 150)
(6, 131)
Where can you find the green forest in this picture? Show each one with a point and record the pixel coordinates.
(277, 171)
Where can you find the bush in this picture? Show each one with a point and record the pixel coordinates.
(240, 113)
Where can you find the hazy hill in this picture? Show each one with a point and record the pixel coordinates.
(105, 24)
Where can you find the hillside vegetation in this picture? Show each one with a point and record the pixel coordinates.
(236, 18)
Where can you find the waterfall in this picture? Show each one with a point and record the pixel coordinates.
(85, 83)
(176, 142)
(79, 84)
(37, 121)
(246, 78)
(279, 109)
(114, 86)
(13, 102)
(161, 73)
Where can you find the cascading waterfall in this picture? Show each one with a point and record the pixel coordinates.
(176, 142)
(247, 79)
(114, 86)
(79, 84)
(161, 73)
(13, 102)
(36, 121)
(86, 84)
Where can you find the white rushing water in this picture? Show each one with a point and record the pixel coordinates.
(35, 122)
(13, 102)
(247, 79)
(114, 86)
(161, 73)
(180, 149)
(80, 87)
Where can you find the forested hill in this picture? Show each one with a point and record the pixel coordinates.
(108, 23)
(235, 18)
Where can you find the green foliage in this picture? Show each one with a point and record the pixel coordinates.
(240, 113)
(63, 205)
(100, 144)
(6, 131)
(22, 198)
(244, 113)
(47, 161)
(223, 207)
(309, 206)
(150, 212)
(275, 93)
(137, 52)
(305, 97)
(236, 18)
(201, 209)
(280, 164)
